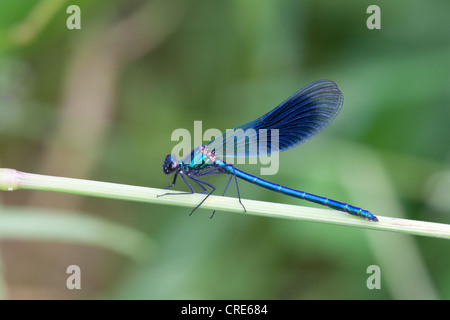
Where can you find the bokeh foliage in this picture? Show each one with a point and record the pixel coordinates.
(102, 102)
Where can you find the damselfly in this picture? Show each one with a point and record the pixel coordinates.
(296, 120)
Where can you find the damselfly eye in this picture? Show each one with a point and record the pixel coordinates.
(169, 164)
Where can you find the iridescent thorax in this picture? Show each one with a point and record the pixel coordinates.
(200, 158)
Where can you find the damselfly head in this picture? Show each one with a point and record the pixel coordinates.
(169, 164)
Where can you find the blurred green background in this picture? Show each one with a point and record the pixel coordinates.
(101, 103)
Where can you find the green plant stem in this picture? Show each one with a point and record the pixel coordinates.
(11, 180)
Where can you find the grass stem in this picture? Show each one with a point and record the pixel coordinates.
(11, 180)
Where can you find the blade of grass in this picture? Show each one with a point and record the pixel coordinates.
(11, 180)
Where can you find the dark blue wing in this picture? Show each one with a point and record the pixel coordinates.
(298, 118)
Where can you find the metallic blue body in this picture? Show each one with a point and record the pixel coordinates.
(298, 194)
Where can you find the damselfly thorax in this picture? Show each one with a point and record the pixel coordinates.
(200, 158)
